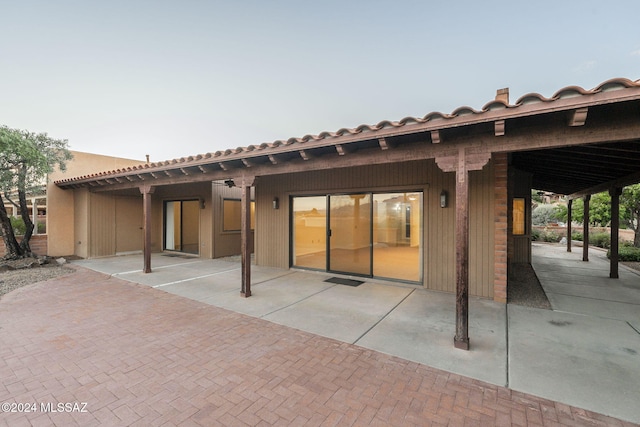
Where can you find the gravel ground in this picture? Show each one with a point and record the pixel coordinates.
(14, 279)
(525, 289)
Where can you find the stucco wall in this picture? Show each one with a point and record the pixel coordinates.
(62, 207)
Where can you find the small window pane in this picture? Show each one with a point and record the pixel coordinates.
(231, 211)
(518, 216)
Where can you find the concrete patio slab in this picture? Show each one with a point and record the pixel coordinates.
(580, 360)
(421, 329)
(342, 312)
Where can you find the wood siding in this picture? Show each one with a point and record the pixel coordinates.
(102, 219)
(272, 225)
(225, 243)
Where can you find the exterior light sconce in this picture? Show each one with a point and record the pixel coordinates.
(276, 203)
(443, 199)
(229, 183)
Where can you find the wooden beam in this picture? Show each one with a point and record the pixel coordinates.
(203, 169)
(615, 230)
(305, 154)
(146, 191)
(461, 338)
(569, 220)
(245, 235)
(631, 179)
(578, 117)
(383, 144)
(272, 159)
(184, 171)
(247, 163)
(585, 229)
(499, 128)
(223, 166)
(340, 149)
(435, 137)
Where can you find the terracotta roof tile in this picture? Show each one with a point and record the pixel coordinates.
(463, 111)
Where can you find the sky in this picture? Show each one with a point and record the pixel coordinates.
(177, 78)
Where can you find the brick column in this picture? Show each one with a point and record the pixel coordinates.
(500, 167)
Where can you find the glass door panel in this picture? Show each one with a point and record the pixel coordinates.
(350, 233)
(397, 231)
(310, 232)
(182, 226)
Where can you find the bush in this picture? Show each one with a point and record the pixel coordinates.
(601, 240)
(551, 236)
(627, 253)
(576, 235)
(18, 226)
(535, 235)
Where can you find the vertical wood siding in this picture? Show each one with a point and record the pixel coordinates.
(272, 226)
(102, 213)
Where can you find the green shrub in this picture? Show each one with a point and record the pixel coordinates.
(535, 235)
(18, 226)
(551, 236)
(576, 235)
(601, 240)
(627, 253)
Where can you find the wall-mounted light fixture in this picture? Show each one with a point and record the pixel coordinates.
(443, 199)
(276, 203)
(229, 183)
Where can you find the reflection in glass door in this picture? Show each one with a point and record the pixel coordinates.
(182, 226)
(397, 231)
(350, 233)
(369, 234)
(310, 232)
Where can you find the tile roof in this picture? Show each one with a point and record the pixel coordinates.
(529, 104)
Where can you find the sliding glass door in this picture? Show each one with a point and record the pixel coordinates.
(368, 234)
(350, 234)
(182, 226)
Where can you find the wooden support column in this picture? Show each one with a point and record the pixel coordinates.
(569, 219)
(461, 339)
(615, 230)
(245, 236)
(585, 229)
(147, 191)
(461, 163)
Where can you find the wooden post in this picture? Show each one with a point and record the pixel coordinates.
(147, 191)
(615, 229)
(585, 229)
(245, 236)
(461, 339)
(569, 219)
(461, 162)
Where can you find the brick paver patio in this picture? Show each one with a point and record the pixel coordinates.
(139, 356)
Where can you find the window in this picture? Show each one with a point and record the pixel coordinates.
(518, 216)
(232, 215)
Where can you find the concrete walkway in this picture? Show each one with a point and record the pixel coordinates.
(585, 352)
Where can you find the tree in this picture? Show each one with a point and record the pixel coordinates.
(630, 210)
(599, 210)
(25, 159)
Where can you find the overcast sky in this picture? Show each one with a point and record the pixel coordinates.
(179, 78)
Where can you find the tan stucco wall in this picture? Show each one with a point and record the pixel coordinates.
(63, 208)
